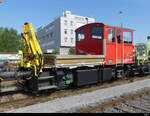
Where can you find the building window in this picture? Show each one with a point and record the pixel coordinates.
(80, 35)
(71, 23)
(72, 40)
(65, 31)
(51, 34)
(43, 37)
(66, 39)
(118, 36)
(127, 37)
(111, 35)
(71, 31)
(97, 32)
(47, 36)
(65, 22)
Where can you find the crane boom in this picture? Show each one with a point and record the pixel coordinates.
(32, 56)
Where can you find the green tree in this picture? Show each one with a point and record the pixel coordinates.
(72, 51)
(10, 40)
(55, 51)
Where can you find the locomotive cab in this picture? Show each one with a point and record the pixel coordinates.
(115, 43)
(89, 39)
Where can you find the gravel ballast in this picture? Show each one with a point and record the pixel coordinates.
(72, 103)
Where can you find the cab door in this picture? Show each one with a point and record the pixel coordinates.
(110, 46)
(114, 46)
(119, 48)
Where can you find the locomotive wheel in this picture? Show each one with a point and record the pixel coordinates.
(61, 85)
(128, 73)
(32, 84)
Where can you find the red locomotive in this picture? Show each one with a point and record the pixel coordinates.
(115, 43)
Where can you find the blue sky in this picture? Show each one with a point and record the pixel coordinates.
(136, 13)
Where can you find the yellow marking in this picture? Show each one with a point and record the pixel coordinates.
(29, 78)
(1, 79)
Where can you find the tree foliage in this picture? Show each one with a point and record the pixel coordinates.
(148, 37)
(72, 51)
(10, 40)
(55, 51)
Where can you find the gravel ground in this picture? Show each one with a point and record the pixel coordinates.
(73, 103)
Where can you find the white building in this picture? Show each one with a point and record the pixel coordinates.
(60, 34)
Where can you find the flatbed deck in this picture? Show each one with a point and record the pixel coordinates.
(72, 61)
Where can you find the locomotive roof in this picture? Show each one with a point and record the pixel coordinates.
(103, 24)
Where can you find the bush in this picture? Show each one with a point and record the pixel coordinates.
(55, 51)
(72, 51)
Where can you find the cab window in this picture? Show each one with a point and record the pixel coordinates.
(80, 35)
(97, 32)
(111, 35)
(127, 37)
(118, 36)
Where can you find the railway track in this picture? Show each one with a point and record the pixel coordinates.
(9, 85)
(17, 99)
(133, 103)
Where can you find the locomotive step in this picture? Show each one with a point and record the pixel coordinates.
(9, 89)
(47, 87)
(44, 78)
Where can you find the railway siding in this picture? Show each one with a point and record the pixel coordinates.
(78, 102)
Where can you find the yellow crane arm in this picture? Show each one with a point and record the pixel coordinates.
(32, 56)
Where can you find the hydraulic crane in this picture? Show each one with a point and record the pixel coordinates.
(32, 56)
(31, 62)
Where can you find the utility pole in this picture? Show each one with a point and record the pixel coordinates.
(121, 12)
(121, 21)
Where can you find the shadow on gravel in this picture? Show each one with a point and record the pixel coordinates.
(81, 88)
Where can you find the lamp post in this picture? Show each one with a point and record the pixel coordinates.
(121, 12)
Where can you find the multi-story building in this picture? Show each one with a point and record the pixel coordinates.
(60, 34)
